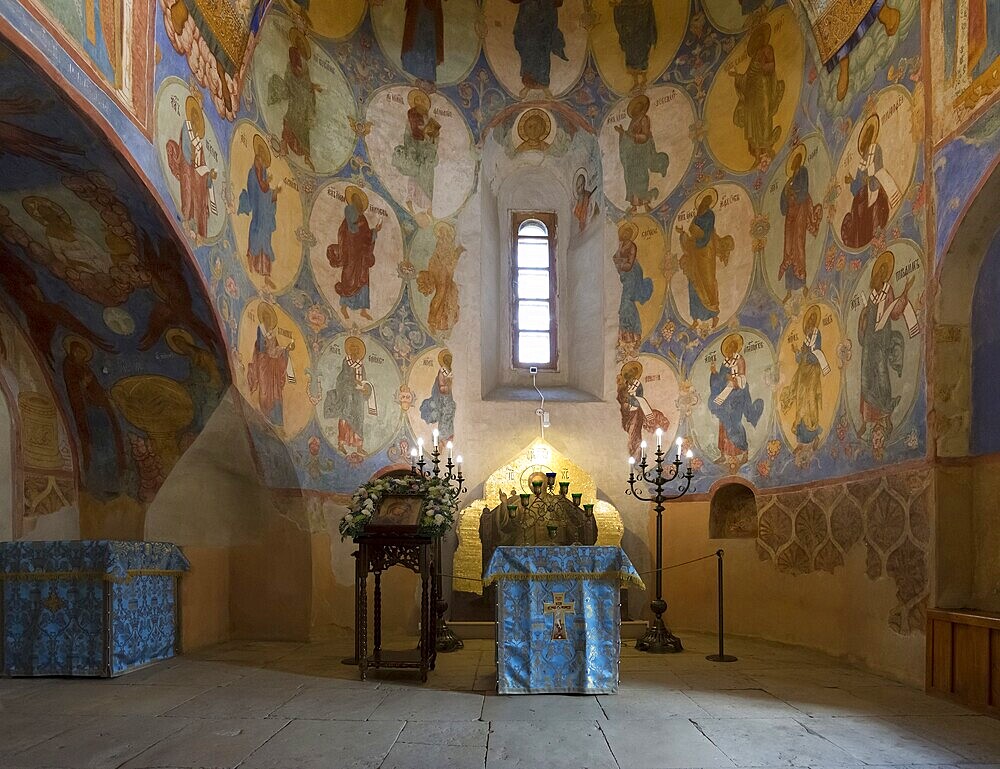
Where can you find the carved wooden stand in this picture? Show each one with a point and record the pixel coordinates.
(376, 553)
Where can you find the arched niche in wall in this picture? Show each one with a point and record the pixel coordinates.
(546, 161)
(733, 512)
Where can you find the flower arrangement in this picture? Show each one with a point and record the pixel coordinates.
(437, 515)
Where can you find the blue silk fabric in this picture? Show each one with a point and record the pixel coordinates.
(87, 608)
(559, 618)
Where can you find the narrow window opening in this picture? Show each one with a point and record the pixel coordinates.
(534, 336)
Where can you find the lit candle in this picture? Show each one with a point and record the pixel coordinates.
(420, 447)
(690, 455)
(458, 461)
(450, 446)
(631, 466)
(435, 435)
(413, 454)
(642, 451)
(659, 437)
(680, 443)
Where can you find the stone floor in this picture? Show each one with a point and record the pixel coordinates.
(295, 706)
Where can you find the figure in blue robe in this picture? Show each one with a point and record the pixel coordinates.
(260, 201)
(537, 38)
(731, 403)
(440, 408)
(636, 287)
(635, 23)
(422, 50)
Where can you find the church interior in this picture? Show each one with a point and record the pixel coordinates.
(528, 383)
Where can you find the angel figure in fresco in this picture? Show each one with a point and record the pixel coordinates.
(416, 158)
(259, 199)
(702, 247)
(854, 20)
(354, 254)
(68, 245)
(759, 94)
(882, 348)
(874, 191)
(802, 217)
(635, 23)
(805, 393)
(439, 279)
(636, 412)
(204, 382)
(186, 159)
(422, 50)
(731, 403)
(439, 409)
(271, 366)
(636, 288)
(537, 38)
(352, 400)
(639, 158)
(95, 419)
(296, 87)
(582, 197)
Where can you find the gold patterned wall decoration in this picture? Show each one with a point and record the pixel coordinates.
(513, 477)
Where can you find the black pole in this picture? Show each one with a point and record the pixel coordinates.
(721, 656)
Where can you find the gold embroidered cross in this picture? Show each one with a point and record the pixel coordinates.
(559, 608)
(53, 603)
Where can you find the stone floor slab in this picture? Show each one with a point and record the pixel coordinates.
(766, 742)
(211, 744)
(671, 743)
(332, 704)
(551, 745)
(459, 734)
(428, 705)
(327, 744)
(409, 756)
(235, 701)
(541, 707)
(975, 738)
(875, 741)
(644, 705)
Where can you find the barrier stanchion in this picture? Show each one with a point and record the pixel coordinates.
(721, 656)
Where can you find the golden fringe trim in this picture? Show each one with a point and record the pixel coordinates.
(623, 577)
(82, 576)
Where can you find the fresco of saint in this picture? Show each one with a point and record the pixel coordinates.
(702, 247)
(882, 348)
(805, 392)
(635, 22)
(271, 366)
(422, 50)
(259, 199)
(802, 217)
(439, 409)
(71, 247)
(204, 382)
(732, 404)
(439, 280)
(636, 288)
(296, 87)
(352, 400)
(416, 158)
(749, 6)
(636, 412)
(760, 93)
(537, 38)
(582, 197)
(873, 189)
(95, 419)
(354, 254)
(639, 158)
(186, 158)
(853, 19)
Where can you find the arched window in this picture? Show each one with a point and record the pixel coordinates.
(534, 332)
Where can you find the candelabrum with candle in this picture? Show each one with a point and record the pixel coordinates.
(447, 641)
(659, 479)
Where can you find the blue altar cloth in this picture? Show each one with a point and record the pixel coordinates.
(559, 618)
(87, 608)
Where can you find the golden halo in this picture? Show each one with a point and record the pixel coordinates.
(175, 336)
(261, 150)
(445, 353)
(73, 340)
(731, 345)
(418, 98)
(444, 227)
(812, 314)
(632, 370)
(354, 193)
(300, 41)
(798, 151)
(195, 115)
(357, 344)
(36, 206)
(709, 193)
(629, 227)
(873, 122)
(886, 262)
(534, 125)
(267, 316)
(638, 105)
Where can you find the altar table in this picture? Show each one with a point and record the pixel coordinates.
(87, 608)
(559, 618)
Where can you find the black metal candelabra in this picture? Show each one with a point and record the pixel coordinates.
(447, 641)
(658, 639)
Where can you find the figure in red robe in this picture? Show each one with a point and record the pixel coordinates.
(354, 254)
